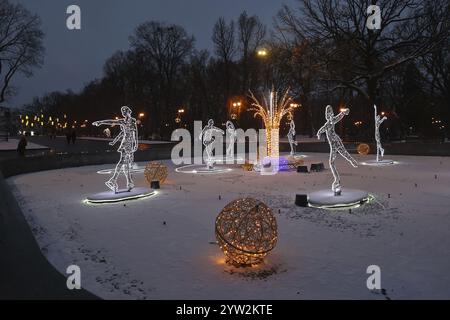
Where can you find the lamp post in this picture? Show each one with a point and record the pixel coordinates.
(236, 109)
(341, 124)
(178, 118)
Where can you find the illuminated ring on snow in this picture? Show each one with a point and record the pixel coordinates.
(111, 171)
(201, 169)
(381, 163)
(109, 197)
(329, 202)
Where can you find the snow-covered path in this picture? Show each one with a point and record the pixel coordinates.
(127, 251)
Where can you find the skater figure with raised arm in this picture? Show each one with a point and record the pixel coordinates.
(207, 137)
(128, 145)
(378, 122)
(336, 145)
(291, 137)
(231, 132)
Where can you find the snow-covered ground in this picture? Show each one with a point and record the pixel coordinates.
(11, 144)
(164, 247)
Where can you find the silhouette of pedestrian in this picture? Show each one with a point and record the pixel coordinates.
(68, 137)
(21, 146)
(74, 136)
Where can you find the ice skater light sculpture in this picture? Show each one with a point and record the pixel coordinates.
(207, 137)
(128, 145)
(378, 122)
(272, 112)
(246, 231)
(291, 137)
(336, 145)
(231, 133)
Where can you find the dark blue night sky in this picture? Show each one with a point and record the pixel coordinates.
(73, 58)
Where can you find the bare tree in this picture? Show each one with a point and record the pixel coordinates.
(20, 44)
(164, 49)
(356, 57)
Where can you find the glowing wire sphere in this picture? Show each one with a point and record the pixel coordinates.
(363, 149)
(246, 231)
(155, 171)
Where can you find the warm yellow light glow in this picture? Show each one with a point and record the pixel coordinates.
(262, 52)
(343, 109)
(141, 115)
(246, 231)
(272, 114)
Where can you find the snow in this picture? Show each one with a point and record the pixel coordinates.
(126, 251)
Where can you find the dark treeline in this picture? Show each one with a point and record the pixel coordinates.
(321, 49)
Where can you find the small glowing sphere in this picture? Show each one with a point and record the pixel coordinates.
(155, 171)
(363, 149)
(246, 231)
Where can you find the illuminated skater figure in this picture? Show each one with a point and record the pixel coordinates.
(291, 137)
(128, 145)
(231, 132)
(207, 137)
(378, 122)
(336, 145)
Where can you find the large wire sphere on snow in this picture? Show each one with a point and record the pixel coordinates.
(155, 171)
(246, 231)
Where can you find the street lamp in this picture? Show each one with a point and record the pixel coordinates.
(262, 52)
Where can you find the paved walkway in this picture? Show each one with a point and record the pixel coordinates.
(24, 272)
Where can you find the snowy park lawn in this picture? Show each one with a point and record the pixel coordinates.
(164, 247)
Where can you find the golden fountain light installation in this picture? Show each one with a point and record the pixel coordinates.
(272, 112)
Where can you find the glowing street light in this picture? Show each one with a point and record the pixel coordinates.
(262, 52)
(141, 115)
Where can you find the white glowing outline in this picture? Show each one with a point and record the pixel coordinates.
(135, 197)
(231, 132)
(336, 146)
(206, 136)
(380, 163)
(378, 122)
(291, 137)
(128, 145)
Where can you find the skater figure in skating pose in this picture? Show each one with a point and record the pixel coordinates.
(231, 132)
(128, 145)
(291, 137)
(207, 137)
(336, 145)
(378, 122)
